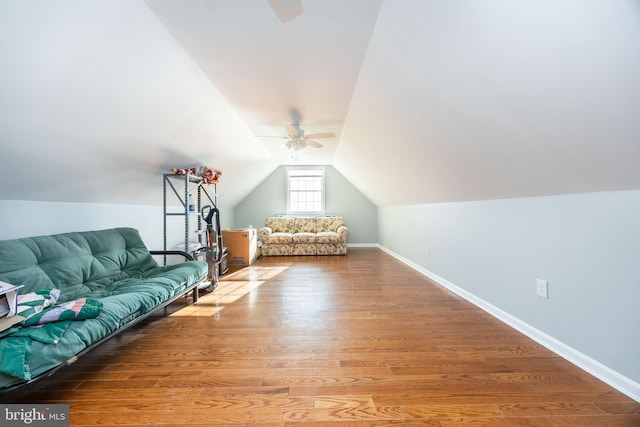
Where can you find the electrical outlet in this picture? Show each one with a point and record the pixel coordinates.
(427, 248)
(542, 288)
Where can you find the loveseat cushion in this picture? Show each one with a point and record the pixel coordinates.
(329, 223)
(303, 238)
(305, 225)
(281, 224)
(328, 237)
(281, 239)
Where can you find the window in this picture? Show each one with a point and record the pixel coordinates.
(305, 190)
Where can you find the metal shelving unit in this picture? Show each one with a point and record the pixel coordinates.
(181, 186)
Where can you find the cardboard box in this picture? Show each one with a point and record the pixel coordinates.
(242, 245)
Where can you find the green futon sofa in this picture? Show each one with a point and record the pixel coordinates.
(79, 290)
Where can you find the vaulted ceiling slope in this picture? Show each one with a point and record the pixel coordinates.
(97, 100)
(431, 100)
(467, 100)
(301, 71)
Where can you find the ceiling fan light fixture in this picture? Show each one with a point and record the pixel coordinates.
(297, 140)
(293, 151)
(293, 146)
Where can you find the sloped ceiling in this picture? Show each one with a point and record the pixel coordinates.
(98, 100)
(431, 101)
(467, 100)
(271, 72)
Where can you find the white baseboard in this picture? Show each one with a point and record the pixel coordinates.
(595, 368)
(363, 245)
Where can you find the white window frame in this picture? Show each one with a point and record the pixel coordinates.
(298, 172)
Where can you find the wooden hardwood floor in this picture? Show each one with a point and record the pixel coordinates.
(361, 340)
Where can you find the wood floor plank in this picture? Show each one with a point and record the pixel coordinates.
(334, 341)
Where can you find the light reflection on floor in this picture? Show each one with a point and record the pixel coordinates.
(231, 287)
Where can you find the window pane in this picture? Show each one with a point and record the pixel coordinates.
(305, 190)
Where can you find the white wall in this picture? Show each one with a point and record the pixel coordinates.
(585, 246)
(26, 218)
(341, 198)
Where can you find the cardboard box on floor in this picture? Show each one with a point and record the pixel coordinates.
(242, 245)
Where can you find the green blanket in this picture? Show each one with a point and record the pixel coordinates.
(46, 325)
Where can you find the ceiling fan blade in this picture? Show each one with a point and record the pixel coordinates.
(321, 135)
(313, 144)
(286, 9)
(293, 131)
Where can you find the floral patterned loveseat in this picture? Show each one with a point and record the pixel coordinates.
(326, 235)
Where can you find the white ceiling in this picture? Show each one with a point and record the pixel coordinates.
(275, 73)
(431, 100)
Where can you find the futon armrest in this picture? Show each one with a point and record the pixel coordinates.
(187, 256)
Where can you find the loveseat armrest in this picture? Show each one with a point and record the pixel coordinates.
(264, 233)
(187, 256)
(344, 232)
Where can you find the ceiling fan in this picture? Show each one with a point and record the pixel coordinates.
(298, 140)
